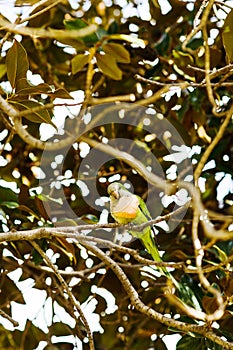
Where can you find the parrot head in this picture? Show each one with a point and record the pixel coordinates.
(117, 190)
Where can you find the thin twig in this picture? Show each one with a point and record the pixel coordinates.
(9, 318)
(213, 144)
(47, 8)
(69, 293)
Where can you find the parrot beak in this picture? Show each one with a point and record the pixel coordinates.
(115, 194)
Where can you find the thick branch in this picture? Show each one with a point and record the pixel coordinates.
(140, 306)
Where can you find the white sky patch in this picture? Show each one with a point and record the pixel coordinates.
(84, 149)
(225, 186)
(61, 113)
(181, 197)
(171, 341)
(210, 165)
(181, 154)
(104, 217)
(92, 318)
(109, 298)
(33, 310)
(9, 184)
(196, 149)
(35, 79)
(165, 6)
(201, 184)
(83, 187)
(115, 177)
(3, 161)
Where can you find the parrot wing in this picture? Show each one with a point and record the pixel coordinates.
(144, 208)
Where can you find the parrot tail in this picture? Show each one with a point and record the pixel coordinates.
(152, 249)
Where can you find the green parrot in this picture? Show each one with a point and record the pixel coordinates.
(127, 208)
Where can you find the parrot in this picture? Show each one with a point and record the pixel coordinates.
(125, 208)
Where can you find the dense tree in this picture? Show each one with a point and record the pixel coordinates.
(127, 91)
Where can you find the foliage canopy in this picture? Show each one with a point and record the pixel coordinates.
(92, 92)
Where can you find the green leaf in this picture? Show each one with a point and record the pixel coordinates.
(227, 36)
(36, 257)
(10, 205)
(220, 253)
(117, 51)
(78, 62)
(59, 330)
(76, 24)
(16, 63)
(7, 195)
(107, 64)
(190, 343)
(42, 116)
(89, 218)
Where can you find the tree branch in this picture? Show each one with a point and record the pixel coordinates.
(140, 306)
(69, 293)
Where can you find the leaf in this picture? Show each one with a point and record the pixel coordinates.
(28, 210)
(76, 24)
(220, 253)
(10, 292)
(10, 205)
(67, 248)
(24, 88)
(209, 304)
(107, 64)
(129, 38)
(7, 195)
(78, 62)
(227, 36)
(203, 135)
(16, 63)
(155, 3)
(61, 93)
(41, 116)
(58, 329)
(117, 51)
(36, 257)
(2, 70)
(191, 343)
(89, 218)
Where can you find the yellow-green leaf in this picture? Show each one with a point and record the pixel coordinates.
(16, 63)
(107, 64)
(61, 93)
(24, 88)
(117, 51)
(130, 38)
(41, 116)
(78, 62)
(2, 70)
(227, 36)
